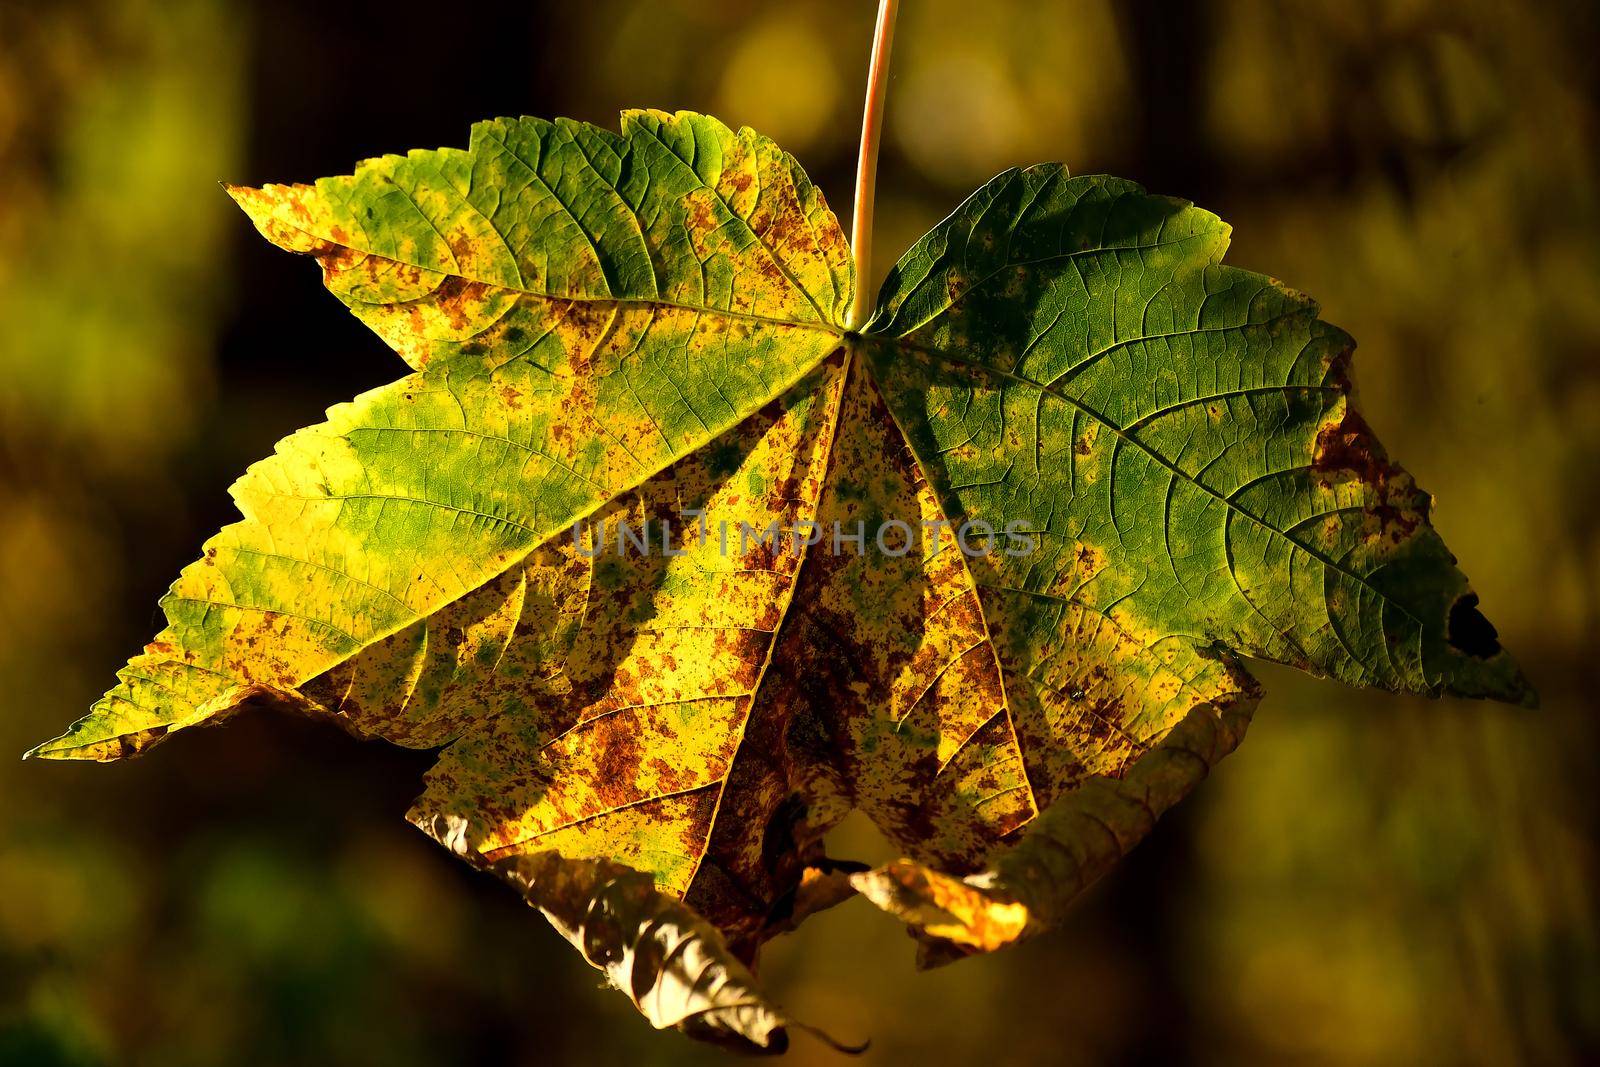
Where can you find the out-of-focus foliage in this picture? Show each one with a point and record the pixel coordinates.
(1421, 888)
(109, 114)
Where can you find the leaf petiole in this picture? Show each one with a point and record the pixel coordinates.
(867, 161)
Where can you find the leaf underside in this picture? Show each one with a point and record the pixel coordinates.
(645, 332)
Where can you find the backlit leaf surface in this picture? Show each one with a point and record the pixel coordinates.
(984, 571)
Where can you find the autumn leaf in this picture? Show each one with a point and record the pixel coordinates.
(676, 569)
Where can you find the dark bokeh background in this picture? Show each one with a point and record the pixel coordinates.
(1369, 880)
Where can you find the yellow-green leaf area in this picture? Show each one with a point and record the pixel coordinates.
(707, 287)
(486, 250)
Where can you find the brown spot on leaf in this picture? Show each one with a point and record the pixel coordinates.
(1349, 446)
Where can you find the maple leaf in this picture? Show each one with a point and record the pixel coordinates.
(676, 569)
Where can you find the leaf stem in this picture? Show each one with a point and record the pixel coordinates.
(867, 162)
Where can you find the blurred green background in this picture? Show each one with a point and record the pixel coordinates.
(1369, 880)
